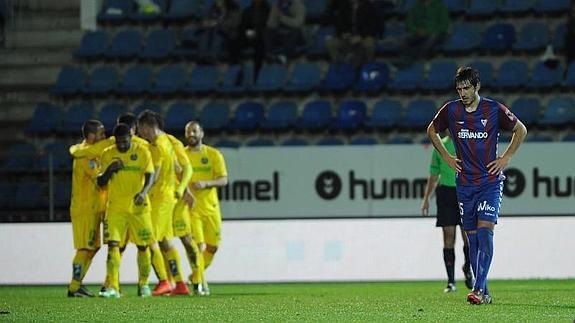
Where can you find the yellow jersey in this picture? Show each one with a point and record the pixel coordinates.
(85, 191)
(163, 155)
(208, 164)
(96, 150)
(128, 181)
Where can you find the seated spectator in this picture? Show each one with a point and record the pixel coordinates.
(285, 29)
(252, 30)
(357, 26)
(219, 30)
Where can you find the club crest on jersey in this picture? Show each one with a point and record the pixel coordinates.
(204, 160)
(484, 122)
(133, 157)
(92, 164)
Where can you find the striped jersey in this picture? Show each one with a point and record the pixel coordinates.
(475, 135)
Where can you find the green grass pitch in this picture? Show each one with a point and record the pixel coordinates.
(521, 301)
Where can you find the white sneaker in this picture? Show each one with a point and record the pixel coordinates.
(450, 288)
(110, 293)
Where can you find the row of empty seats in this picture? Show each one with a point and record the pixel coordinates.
(32, 195)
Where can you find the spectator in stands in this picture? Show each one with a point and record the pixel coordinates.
(285, 28)
(570, 35)
(252, 30)
(220, 29)
(427, 23)
(148, 7)
(357, 25)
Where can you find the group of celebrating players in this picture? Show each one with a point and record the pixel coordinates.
(146, 188)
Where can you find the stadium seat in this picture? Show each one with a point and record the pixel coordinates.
(60, 155)
(137, 80)
(512, 74)
(465, 37)
(527, 109)
(482, 8)
(295, 141)
(7, 191)
(30, 195)
(305, 77)
(20, 157)
(499, 37)
(271, 78)
(392, 38)
(280, 116)
(418, 114)
(350, 115)
(553, 7)
(570, 77)
(215, 116)
(125, 45)
(559, 36)
(318, 46)
(103, 80)
(183, 10)
(178, 115)
(560, 112)
(238, 79)
(363, 141)
(260, 142)
(147, 106)
(373, 77)
(330, 141)
(248, 116)
(440, 77)
(534, 36)
(385, 114)
(116, 11)
(485, 70)
(339, 77)
(569, 137)
(316, 115)
(203, 79)
(160, 44)
(71, 80)
(75, 116)
(62, 194)
(456, 6)
(543, 77)
(109, 113)
(150, 17)
(517, 7)
(170, 79)
(46, 118)
(227, 143)
(409, 78)
(399, 140)
(93, 45)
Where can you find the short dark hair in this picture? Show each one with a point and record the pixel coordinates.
(127, 118)
(91, 126)
(151, 118)
(121, 130)
(467, 74)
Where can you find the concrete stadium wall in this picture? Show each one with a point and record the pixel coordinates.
(310, 250)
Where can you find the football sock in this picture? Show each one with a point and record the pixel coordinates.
(466, 254)
(158, 262)
(197, 264)
(174, 262)
(473, 252)
(485, 254)
(144, 264)
(78, 269)
(449, 260)
(113, 267)
(208, 257)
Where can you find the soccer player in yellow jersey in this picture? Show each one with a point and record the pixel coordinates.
(84, 209)
(164, 192)
(128, 177)
(209, 174)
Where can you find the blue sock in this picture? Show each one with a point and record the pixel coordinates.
(472, 237)
(484, 256)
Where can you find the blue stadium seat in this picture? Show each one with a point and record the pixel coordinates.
(215, 116)
(350, 115)
(318, 46)
(170, 80)
(534, 36)
(517, 7)
(260, 142)
(178, 115)
(499, 37)
(227, 143)
(238, 79)
(71, 80)
(93, 45)
(125, 45)
(393, 37)
(150, 17)
(570, 77)
(330, 141)
(7, 191)
(109, 114)
(513, 73)
(465, 37)
(553, 7)
(409, 78)
(339, 77)
(419, 114)
(203, 79)
(75, 116)
(399, 140)
(385, 114)
(147, 106)
(544, 77)
(116, 11)
(440, 77)
(373, 77)
(316, 115)
(569, 137)
(281, 115)
(20, 157)
(271, 78)
(363, 141)
(560, 112)
(485, 70)
(183, 10)
(62, 194)
(559, 36)
(103, 80)
(527, 109)
(60, 155)
(482, 8)
(304, 77)
(248, 116)
(539, 138)
(137, 80)
(46, 118)
(295, 141)
(159, 45)
(30, 195)
(456, 6)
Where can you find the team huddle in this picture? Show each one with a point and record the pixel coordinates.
(146, 188)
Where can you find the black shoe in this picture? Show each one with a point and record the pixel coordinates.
(81, 292)
(468, 277)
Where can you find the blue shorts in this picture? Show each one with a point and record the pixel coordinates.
(479, 203)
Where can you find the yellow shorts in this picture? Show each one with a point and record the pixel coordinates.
(162, 219)
(86, 229)
(138, 226)
(182, 226)
(206, 229)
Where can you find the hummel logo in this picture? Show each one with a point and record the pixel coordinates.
(460, 122)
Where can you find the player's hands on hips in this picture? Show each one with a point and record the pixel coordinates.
(425, 207)
(496, 166)
(199, 185)
(139, 198)
(454, 163)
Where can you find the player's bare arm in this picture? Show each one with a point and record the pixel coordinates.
(501, 162)
(218, 182)
(431, 182)
(113, 168)
(141, 196)
(452, 161)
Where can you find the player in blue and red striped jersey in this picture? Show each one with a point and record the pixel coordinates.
(474, 123)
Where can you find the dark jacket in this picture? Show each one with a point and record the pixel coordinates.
(255, 17)
(363, 22)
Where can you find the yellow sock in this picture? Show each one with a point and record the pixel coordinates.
(167, 267)
(158, 262)
(78, 267)
(89, 256)
(144, 264)
(113, 267)
(175, 265)
(208, 257)
(197, 264)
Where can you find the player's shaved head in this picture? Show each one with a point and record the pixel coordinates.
(123, 136)
(467, 74)
(194, 123)
(122, 130)
(194, 133)
(91, 126)
(127, 118)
